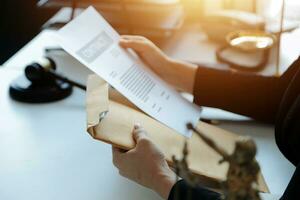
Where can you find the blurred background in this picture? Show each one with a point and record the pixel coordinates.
(21, 20)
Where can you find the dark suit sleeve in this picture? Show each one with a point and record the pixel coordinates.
(252, 95)
(292, 191)
(181, 190)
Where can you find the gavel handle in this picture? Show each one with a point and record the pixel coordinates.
(64, 79)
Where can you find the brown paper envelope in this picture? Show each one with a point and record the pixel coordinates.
(112, 121)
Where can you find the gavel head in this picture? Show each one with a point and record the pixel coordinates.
(38, 72)
(39, 85)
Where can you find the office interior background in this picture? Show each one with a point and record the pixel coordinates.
(21, 20)
(30, 24)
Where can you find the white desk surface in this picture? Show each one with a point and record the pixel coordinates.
(45, 152)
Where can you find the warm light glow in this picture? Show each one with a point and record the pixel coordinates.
(252, 42)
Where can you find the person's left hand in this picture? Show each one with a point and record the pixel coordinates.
(145, 164)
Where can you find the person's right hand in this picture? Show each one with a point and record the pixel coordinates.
(148, 52)
(179, 74)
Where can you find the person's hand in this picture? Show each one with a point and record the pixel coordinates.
(145, 164)
(179, 74)
(147, 51)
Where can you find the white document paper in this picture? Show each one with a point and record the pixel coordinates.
(93, 42)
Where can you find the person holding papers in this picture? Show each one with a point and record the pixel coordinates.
(269, 99)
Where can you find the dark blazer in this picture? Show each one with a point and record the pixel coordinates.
(268, 99)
